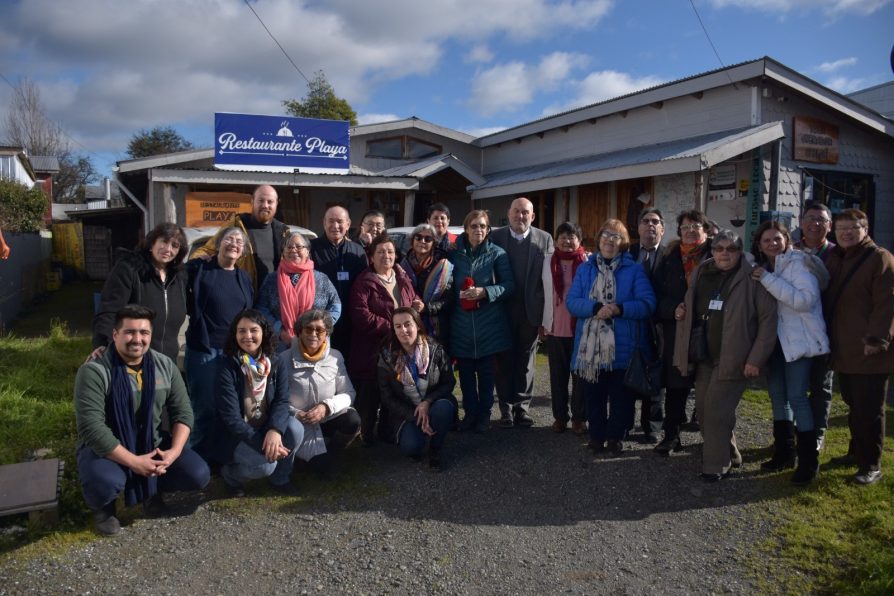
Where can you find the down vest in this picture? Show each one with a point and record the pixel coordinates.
(636, 298)
(484, 331)
(796, 285)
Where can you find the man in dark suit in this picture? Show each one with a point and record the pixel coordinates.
(649, 252)
(529, 250)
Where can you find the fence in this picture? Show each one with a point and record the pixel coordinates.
(24, 274)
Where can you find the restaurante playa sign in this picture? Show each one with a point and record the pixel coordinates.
(280, 144)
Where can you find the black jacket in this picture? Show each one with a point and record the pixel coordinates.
(133, 280)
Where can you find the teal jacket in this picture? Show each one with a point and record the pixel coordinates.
(91, 394)
(484, 331)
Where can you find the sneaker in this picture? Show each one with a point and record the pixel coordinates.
(668, 444)
(506, 420)
(155, 506)
(523, 420)
(579, 427)
(105, 521)
(865, 477)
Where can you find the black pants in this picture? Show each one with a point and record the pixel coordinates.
(865, 397)
(367, 403)
(651, 412)
(515, 366)
(820, 391)
(346, 423)
(559, 351)
(674, 409)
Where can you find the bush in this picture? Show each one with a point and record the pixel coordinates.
(21, 208)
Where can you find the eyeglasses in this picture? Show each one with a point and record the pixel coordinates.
(729, 248)
(423, 238)
(846, 229)
(232, 240)
(477, 226)
(313, 330)
(814, 219)
(610, 236)
(296, 247)
(373, 225)
(651, 222)
(691, 227)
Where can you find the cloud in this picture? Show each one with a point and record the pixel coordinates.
(601, 85)
(510, 86)
(837, 64)
(847, 85)
(831, 8)
(376, 118)
(479, 53)
(483, 131)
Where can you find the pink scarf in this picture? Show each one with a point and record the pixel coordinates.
(298, 299)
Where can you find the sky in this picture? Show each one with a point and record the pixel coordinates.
(109, 68)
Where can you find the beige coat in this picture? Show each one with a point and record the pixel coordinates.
(864, 313)
(749, 325)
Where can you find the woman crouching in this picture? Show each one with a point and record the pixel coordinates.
(416, 384)
(253, 407)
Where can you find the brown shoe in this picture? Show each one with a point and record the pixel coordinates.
(559, 426)
(579, 427)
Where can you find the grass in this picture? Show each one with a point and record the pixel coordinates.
(835, 537)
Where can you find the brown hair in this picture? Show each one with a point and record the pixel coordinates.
(615, 225)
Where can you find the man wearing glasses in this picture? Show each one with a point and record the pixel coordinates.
(649, 253)
(816, 223)
(529, 310)
(371, 225)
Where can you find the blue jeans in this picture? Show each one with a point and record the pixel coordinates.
(249, 463)
(476, 381)
(610, 407)
(102, 479)
(440, 417)
(201, 382)
(788, 384)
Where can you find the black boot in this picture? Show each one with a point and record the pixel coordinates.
(808, 461)
(784, 447)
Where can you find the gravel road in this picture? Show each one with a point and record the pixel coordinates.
(514, 511)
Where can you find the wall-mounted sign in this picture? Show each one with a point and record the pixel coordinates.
(213, 208)
(722, 177)
(281, 144)
(814, 140)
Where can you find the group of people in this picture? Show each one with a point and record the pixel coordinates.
(296, 347)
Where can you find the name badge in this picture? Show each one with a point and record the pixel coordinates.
(343, 276)
(715, 305)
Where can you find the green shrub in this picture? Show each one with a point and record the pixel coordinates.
(21, 209)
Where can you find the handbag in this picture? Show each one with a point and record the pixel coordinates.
(643, 376)
(698, 343)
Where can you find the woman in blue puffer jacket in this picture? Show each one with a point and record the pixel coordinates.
(479, 326)
(613, 301)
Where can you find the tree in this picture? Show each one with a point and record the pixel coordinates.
(29, 126)
(321, 102)
(161, 139)
(21, 208)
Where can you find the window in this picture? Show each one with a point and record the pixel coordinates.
(401, 148)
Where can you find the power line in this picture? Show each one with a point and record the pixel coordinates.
(282, 49)
(698, 16)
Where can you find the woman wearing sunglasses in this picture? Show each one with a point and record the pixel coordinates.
(432, 276)
(726, 331)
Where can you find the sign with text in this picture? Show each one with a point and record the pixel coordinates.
(213, 208)
(281, 144)
(814, 140)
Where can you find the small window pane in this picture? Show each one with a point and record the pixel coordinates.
(390, 148)
(417, 149)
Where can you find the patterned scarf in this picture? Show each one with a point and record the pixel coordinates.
(420, 266)
(255, 371)
(409, 367)
(555, 266)
(691, 254)
(295, 299)
(596, 351)
(135, 430)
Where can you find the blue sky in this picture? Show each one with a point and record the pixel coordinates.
(108, 68)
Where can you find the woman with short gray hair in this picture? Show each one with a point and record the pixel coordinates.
(320, 392)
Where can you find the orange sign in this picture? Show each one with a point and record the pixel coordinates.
(214, 208)
(815, 140)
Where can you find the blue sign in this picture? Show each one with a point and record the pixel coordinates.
(280, 143)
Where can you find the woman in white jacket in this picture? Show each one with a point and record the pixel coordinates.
(320, 392)
(796, 280)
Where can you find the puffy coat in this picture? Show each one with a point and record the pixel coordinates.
(484, 331)
(370, 308)
(634, 295)
(133, 280)
(796, 286)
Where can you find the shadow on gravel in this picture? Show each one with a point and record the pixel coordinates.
(534, 477)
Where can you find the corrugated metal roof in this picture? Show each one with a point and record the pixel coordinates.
(679, 149)
(44, 163)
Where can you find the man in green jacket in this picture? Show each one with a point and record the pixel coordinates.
(119, 400)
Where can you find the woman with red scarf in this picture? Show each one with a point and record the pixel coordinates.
(293, 289)
(559, 326)
(671, 281)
